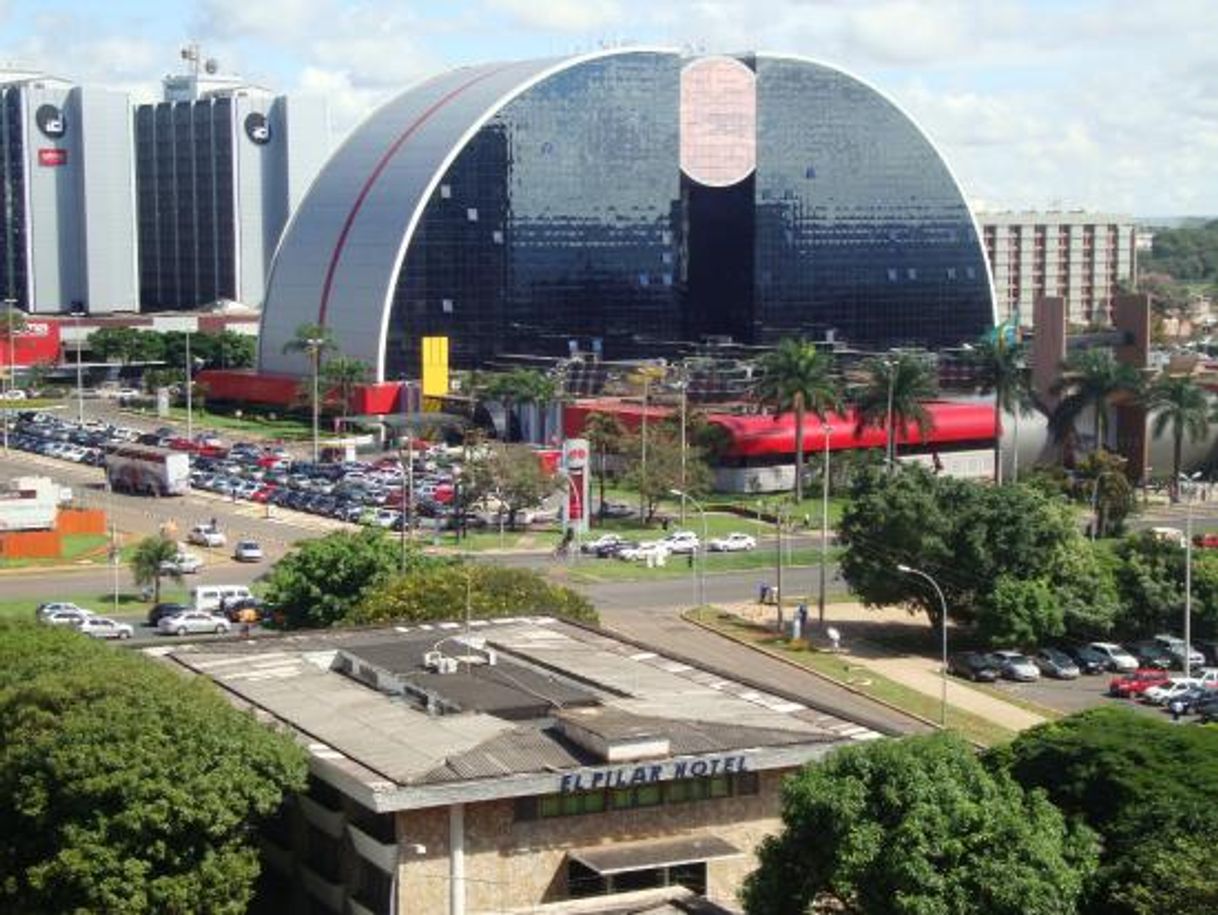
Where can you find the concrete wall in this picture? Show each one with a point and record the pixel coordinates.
(512, 864)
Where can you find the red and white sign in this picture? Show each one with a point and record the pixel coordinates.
(52, 157)
(574, 464)
(575, 453)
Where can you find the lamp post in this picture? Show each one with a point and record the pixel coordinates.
(12, 364)
(942, 625)
(701, 576)
(824, 531)
(890, 453)
(682, 385)
(190, 415)
(80, 383)
(1188, 483)
(315, 345)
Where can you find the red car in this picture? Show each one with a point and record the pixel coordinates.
(1137, 682)
(1206, 541)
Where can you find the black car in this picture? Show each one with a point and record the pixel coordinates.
(1152, 654)
(972, 665)
(1089, 660)
(1207, 710)
(164, 609)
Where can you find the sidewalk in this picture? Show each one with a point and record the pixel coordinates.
(915, 671)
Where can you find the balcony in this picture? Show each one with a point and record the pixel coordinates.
(384, 855)
(331, 895)
(328, 821)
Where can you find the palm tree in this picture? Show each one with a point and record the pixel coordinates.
(795, 378)
(891, 397)
(1183, 404)
(315, 340)
(604, 433)
(1090, 378)
(1002, 368)
(147, 563)
(344, 373)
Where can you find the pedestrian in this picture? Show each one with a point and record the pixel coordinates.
(762, 588)
(224, 606)
(664, 523)
(802, 613)
(689, 559)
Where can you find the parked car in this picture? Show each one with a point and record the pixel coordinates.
(1118, 658)
(972, 665)
(1175, 645)
(247, 551)
(602, 546)
(1089, 660)
(193, 621)
(45, 610)
(734, 542)
(1162, 693)
(681, 542)
(1055, 663)
(67, 617)
(206, 535)
(102, 627)
(1152, 654)
(162, 610)
(657, 549)
(1134, 683)
(1014, 665)
(244, 610)
(1187, 702)
(182, 564)
(1207, 710)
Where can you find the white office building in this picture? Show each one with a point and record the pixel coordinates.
(1082, 257)
(67, 183)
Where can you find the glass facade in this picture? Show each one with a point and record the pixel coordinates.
(568, 217)
(14, 263)
(184, 193)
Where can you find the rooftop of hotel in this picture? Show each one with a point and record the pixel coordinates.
(412, 716)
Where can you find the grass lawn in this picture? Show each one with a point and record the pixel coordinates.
(971, 727)
(288, 428)
(590, 570)
(129, 602)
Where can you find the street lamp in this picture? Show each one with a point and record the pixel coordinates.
(1188, 483)
(824, 530)
(891, 445)
(943, 625)
(12, 365)
(190, 413)
(77, 311)
(315, 346)
(701, 578)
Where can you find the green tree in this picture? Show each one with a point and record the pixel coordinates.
(1001, 365)
(891, 396)
(1143, 785)
(1102, 483)
(796, 378)
(123, 786)
(438, 590)
(913, 826)
(1020, 612)
(345, 374)
(321, 581)
(1178, 402)
(1091, 379)
(662, 473)
(148, 560)
(515, 388)
(605, 434)
(512, 475)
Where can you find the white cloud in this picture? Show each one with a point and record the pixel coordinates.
(561, 15)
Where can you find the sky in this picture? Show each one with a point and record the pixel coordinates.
(1104, 105)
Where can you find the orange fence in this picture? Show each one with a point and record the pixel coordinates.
(81, 521)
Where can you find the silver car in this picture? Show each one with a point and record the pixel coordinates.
(193, 621)
(1014, 666)
(102, 627)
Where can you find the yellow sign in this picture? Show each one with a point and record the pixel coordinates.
(435, 366)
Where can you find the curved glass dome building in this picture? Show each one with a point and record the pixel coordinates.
(629, 200)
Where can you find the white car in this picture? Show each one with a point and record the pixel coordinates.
(206, 535)
(45, 610)
(15, 393)
(247, 551)
(1163, 693)
(681, 542)
(1117, 657)
(657, 549)
(193, 621)
(67, 617)
(102, 627)
(734, 542)
(182, 564)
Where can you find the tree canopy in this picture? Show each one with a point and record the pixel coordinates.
(321, 581)
(1150, 789)
(1186, 253)
(891, 396)
(147, 561)
(123, 787)
(512, 475)
(913, 826)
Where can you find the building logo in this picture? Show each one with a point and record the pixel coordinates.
(257, 129)
(52, 157)
(50, 121)
(575, 453)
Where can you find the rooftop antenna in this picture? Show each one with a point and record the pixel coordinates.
(190, 53)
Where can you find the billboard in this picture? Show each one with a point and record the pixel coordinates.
(575, 466)
(37, 342)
